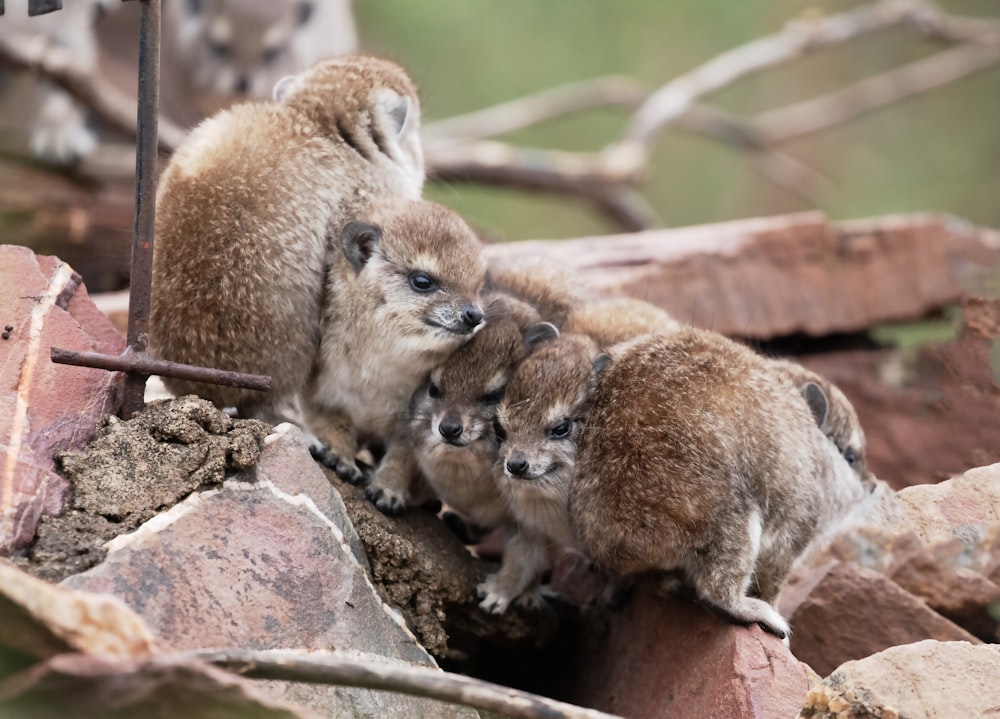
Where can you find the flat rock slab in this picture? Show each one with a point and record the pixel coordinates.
(45, 407)
(265, 562)
(775, 276)
(852, 612)
(925, 680)
(666, 658)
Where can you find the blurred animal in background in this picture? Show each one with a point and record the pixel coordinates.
(54, 125)
(229, 50)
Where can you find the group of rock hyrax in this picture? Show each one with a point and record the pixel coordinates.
(292, 242)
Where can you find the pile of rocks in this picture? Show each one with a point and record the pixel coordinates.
(236, 537)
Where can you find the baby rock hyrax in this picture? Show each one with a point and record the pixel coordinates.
(701, 457)
(402, 294)
(247, 209)
(538, 424)
(451, 415)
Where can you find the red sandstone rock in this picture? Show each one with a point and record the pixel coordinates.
(672, 658)
(773, 276)
(925, 680)
(267, 561)
(45, 407)
(850, 612)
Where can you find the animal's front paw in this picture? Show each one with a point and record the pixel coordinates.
(532, 600)
(346, 470)
(386, 500)
(493, 600)
(466, 532)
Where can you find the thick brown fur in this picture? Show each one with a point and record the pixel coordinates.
(612, 320)
(451, 415)
(383, 331)
(701, 456)
(248, 208)
(550, 290)
(539, 423)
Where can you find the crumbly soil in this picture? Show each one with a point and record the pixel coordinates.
(132, 471)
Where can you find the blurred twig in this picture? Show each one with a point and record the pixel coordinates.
(57, 65)
(460, 149)
(622, 163)
(328, 668)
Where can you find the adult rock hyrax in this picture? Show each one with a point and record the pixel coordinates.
(451, 415)
(247, 209)
(402, 294)
(703, 458)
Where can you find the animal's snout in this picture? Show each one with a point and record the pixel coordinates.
(517, 466)
(450, 429)
(472, 316)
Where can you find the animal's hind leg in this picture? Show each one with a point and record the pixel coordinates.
(723, 578)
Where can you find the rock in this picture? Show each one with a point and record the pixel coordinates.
(45, 408)
(774, 276)
(39, 620)
(265, 561)
(661, 658)
(72, 653)
(845, 612)
(157, 687)
(924, 680)
(961, 508)
(132, 470)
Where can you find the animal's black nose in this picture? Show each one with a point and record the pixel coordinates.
(242, 85)
(517, 466)
(449, 429)
(472, 316)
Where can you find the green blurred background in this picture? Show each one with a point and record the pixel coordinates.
(939, 151)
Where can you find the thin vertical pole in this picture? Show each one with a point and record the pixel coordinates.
(145, 199)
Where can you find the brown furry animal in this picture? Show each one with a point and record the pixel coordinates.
(249, 208)
(451, 415)
(539, 423)
(704, 458)
(401, 296)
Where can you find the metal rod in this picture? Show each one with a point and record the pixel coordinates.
(145, 199)
(141, 363)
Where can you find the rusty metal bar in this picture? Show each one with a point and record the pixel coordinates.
(136, 364)
(41, 7)
(145, 199)
(146, 365)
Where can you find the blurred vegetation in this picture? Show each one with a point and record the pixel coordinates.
(939, 151)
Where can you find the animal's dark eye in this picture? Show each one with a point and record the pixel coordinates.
(422, 282)
(498, 430)
(434, 391)
(219, 49)
(561, 429)
(851, 456)
(271, 54)
(493, 397)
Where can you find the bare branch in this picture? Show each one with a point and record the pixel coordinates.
(821, 113)
(538, 107)
(328, 668)
(57, 65)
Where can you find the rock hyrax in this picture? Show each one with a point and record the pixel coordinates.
(246, 212)
(701, 457)
(451, 420)
(402, 294)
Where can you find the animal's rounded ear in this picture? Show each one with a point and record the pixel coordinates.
(358, 240)
(284, 87)
(601, 363)
(305, 12)
(536, 334)
(819, 404)
(398, 110)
